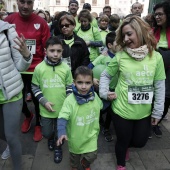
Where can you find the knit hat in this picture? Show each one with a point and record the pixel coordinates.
(73, 1)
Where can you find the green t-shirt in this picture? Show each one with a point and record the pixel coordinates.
(83, 124)
(52, 82)
(103, 34)
(78, 25)
(105, 60)
(135, 84)
(13, 99)
(92, 34)
(163, 40)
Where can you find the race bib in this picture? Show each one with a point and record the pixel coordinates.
(140, 94)
(31, 44)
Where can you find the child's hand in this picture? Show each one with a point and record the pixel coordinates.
(61, 139)
(95, 82)
(87, 43)
(111, 96)
(48, 106)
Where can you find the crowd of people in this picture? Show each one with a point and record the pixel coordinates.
(82, 72)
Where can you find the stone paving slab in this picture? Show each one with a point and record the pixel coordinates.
(154, 156)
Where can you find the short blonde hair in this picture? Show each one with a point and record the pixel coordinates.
(103, 17)
(143, 31)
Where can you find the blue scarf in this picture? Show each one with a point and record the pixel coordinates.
(81, 99)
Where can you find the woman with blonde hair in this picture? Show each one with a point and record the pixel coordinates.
(141, 76)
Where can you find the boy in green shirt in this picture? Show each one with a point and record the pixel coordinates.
(80, 116)
(98, 66)
(51, 83)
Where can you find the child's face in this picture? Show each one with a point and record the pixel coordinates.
(54, 52)
(112, 47)
(83, 83)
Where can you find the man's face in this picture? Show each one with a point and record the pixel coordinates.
(25, 7)
(73, 8)
(107, 12)
(137, 9)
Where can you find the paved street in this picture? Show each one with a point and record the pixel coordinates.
(36, 156)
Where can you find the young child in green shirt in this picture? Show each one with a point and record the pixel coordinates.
(80, 116)
(98, 66)
(51, 82)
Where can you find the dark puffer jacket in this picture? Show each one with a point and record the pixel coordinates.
(78, 52)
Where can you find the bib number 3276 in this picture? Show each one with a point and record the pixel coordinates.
(140, 94)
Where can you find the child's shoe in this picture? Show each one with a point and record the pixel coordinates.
(157, 131)
(58, 154)
(51, 144)
(85, 164)
(107, 134)
(119, 167)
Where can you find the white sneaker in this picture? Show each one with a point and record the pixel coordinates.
(6, 153)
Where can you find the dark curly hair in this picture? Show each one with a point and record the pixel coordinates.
(166, 6)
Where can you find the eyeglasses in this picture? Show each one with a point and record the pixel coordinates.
(66, 26)
(28, 2)
(158, 14)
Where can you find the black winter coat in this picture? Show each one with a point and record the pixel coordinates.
(78, 52)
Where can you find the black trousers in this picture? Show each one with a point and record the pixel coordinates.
(130, 133)
(27, 78)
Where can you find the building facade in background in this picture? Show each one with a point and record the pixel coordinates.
(120, 7)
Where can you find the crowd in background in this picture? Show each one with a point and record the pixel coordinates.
(119, 51)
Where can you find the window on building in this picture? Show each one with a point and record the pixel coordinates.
(57, 2)
(94, 2)
(82, 1)
(107, 2)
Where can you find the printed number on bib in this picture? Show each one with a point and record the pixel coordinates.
(140, 94)
(31, 44)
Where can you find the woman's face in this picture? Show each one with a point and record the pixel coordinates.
(160, 17)
(84, 22)
(42, 16)
(66, 27)
(103, 24)
(130, 37)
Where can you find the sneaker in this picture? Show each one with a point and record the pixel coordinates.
(85, 164)
(37, 134)
(6, 153)
(127, 155)
(27, 124)
(121, 167)
(157, 131)
(107, 134)
(58, 155)
(29, 97)
(51, 144)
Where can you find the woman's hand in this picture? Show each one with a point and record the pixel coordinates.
(154, 121)
(22, 47)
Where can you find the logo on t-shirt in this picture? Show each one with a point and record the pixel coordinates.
(36, 26)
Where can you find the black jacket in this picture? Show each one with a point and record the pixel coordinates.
(78, 52)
